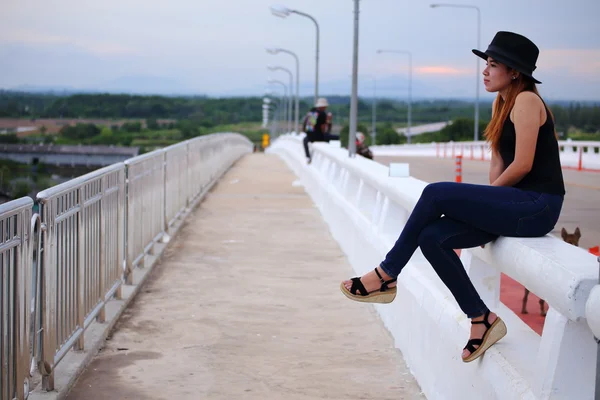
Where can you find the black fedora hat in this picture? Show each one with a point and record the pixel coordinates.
(514, 51)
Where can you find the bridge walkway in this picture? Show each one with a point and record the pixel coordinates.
(245, 305)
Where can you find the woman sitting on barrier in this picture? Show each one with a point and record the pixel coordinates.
(524, 199)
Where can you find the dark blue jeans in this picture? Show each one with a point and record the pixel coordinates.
(458, 216)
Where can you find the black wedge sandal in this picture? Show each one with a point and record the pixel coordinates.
(384, 295)
(494, 332)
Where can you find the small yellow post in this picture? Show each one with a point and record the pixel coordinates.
(265, 140)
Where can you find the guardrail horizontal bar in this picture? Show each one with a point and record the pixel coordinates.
(14, 242)
(73, 183)
(68, 214)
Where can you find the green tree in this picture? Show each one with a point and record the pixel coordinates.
(187, 128)
(152, 124)
(9, 138)
(79, 132)
(21, 189)
(4, 176)
(132, 127)
(386, 134)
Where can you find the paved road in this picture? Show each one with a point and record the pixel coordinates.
(582, 202)
(245, 305)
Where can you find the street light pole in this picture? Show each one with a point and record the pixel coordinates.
(354, 98)
(374, 106)
(291, 85)
(374, 120)
(283, 12)
(272, 105)
(409, 117)
(297, 111)
(285, 97)
(476, 125)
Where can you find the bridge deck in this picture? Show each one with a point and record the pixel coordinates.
(245, 305)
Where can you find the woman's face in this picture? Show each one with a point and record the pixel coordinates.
(496, 76)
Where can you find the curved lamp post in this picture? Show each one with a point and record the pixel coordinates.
(273, 104)
(278, 68)
(284, 12)
(285, 98)
(297, 111)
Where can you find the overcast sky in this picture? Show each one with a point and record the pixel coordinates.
(217, 47)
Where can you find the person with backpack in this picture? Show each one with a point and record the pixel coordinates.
(315, 125)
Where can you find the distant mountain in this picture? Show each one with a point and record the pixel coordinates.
(145, 85)
(169, 87)
(56, 90)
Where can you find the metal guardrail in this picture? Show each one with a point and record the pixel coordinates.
(176, 181)
(83, 244)
(15, 295)
(199, 174)
(91, 233)
(145, 207)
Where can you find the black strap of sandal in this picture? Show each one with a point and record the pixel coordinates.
(473, 342)
(485, 320)
(478, 342)
(357, 285)
(384, 283)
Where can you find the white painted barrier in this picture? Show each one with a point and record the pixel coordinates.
(366, 211)
(573, 154)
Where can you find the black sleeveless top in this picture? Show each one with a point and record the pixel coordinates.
(546, 173)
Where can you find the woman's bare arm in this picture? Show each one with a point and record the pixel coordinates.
(496, 166)
(527, 118)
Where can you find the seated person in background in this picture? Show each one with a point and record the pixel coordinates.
(328, 135)
(361, 147)
(315, 125)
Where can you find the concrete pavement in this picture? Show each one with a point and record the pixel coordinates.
(245, 305)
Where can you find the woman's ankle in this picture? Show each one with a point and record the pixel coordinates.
(481, 317)
(384, 274)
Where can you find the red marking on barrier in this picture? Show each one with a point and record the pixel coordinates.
(580, 162)
(459, 168)
(563, 166)
(595, 250)
(583, 169)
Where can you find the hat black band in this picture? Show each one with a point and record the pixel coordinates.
(500, 55)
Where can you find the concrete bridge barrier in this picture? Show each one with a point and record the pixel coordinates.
(366, 210)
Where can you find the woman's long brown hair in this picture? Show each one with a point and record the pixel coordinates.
(503, 107)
